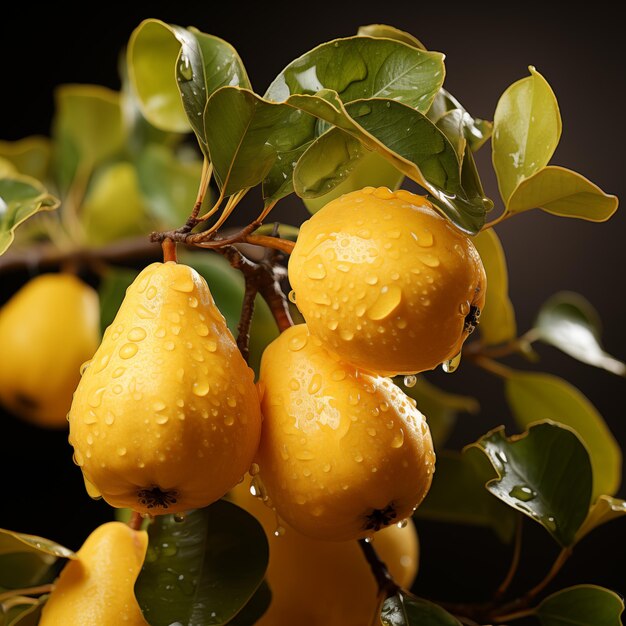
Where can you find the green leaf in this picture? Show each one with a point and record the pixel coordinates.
(198, 63)
(569, 322)
(562, 192)
(364, 67)
(169, 184)
(87, 128)
(256, 607)
(7, 169)
(20, 198)
(111, 292)
(476, 131)
(422, 152)
(545, 473)
(527, 129)
(114, 207)
(458, 494)
(497, 319)
(390, 32)
(441, 407)
(204, 570)
(11, 542)
(247, 135)
(582, 605)
(227, 287)
(24, 614)
(536, 396)
(404, 609)
(30, 156)
(604, 510)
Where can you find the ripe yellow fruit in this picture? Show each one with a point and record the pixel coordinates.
(342, 453)
(386, 282)
(97, 589)
(47, 330)
(166, 417)
(326, 583)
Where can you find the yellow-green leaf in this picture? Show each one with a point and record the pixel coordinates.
(153, 46)
(526, 132)
(497, 319)
(537, 396)
(90, 118)
(604, 510)
(390, 32)
(114, 207)
(20, 198)
(582, 605)
(562, 192)
(30, 156)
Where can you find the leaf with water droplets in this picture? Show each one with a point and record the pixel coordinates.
(404, 609)
(581, 605)
(247, 135)
(545, 473)
(527, 129)
(497, 319)
(564, 193)
(569, 322)
(20, 198)
(534, 395)
(364, 67)
(390, 32)
(204, 569)
(457, 494)
(199, 64)
(604, 510)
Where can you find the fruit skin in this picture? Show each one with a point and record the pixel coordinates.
(326, 583)
(166, 417)
(47, 330)
(97, 589)
(342, 453)
(386, 282)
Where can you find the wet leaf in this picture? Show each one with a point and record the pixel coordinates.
(20, 198)
(562, 192)
(604, 510)
(545, 473)
(497, 319)
(458, 494)
(256, 607)
(201, 571)
(114, 207)
(536, 396)
(11, 542)
(30, 156)
(390, 32)
(169, 184)
(247, 135)
(87, 128)
(527, 129)
(569, 322)
(364, 67)
(200, 64)
(441, 408)
(404, 609)
(582, 605)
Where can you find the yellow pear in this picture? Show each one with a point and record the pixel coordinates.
(342, 453)
(326, 583)
(387, 282)
(97, 589)
(47, 330)
(166, 416)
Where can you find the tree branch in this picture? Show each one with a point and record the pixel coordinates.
(386, 584)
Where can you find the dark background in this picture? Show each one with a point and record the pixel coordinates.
(581, 55)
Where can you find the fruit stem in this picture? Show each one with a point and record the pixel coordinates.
(386, 584)
(492, 366)
(517, 551)
(501, 619)
(135, 520)
(26, 591)
(276, 243)
(169, 251)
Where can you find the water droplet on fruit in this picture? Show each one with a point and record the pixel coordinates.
(410, 381)
(314, 268)
(403, 523)
(398, 439)
(128, 351)
(254, 469)
(137, 334)
(449, 367)
(179, 518)
(297, 342)
(315, 384)
(430, 260)
(386, 303)
(122, 451)
(151, 293)
(280, 531)
(200, 388)
(84, 366)
(95, 399)
(292, 296)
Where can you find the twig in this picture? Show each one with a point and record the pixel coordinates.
(384, 580)
(561, 559)
(284, 245)
(517, 551)
(169, 251)
(135, 520)
(26, 591)
(491, 366)
(245, 320)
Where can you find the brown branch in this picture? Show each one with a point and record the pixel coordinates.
(517, 552)
(169, 251)
(45, 256)
(284, 245)
(135, 520)
(245, 320)
(386, 584)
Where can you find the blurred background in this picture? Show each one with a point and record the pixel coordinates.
(581, 56)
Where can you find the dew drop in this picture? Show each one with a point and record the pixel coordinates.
(346, 334)
(211, 345)
(179, 518)
(314, 268)
(387, 302)
(128, 351)
(137, 334)
(109, 418)
(332, 324)
(410, 381)
(229, 420)
(403, 523)
(161, 419)
(152, 291)
(122, 451)
(297, 342)
(449, 367)
(185, 70)
(200, 388)
(184, 284)
(254, 469)
(84, 366)
(292, 296)
(523, 493)
(398, 439)
(280, 531)
(338, 375)
(95, 399)
(202, 330)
